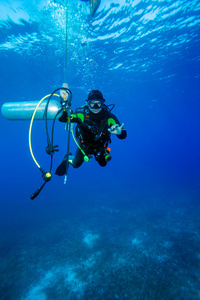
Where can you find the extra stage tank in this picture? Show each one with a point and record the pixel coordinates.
(24, 110)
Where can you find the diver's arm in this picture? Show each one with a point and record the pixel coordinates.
(64, 117)
(118, 130)
(123, 134)
(74, 118)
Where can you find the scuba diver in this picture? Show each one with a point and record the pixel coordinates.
(95, 124)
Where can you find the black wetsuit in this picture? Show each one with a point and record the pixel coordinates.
(92, 133)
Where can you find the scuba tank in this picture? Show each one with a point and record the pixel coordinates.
(24, 110)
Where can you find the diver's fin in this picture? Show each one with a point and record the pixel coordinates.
(94, 4)
(61, 169)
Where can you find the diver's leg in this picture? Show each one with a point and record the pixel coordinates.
(102, 157)
(101, 160)
(78, 159)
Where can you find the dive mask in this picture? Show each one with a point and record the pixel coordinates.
(95, 104)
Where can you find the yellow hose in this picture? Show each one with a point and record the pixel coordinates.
(77, 143)
(31, 125)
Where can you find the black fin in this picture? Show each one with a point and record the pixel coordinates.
(61, 169)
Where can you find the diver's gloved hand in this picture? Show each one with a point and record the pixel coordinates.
(116, 129)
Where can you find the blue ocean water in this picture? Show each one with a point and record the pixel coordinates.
(130, 230)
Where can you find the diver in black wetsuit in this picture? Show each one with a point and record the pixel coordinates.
(95, 124)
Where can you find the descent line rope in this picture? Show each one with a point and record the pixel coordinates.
(66, 41)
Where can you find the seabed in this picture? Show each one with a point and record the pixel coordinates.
(135, 250)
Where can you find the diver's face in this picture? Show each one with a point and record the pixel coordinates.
(95, 106)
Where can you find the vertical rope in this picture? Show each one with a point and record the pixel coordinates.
(66, 41)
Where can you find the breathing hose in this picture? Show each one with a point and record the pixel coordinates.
(45, 175)
(66, 106)
(50, 149)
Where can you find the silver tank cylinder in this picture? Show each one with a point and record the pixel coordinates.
(24, 110)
